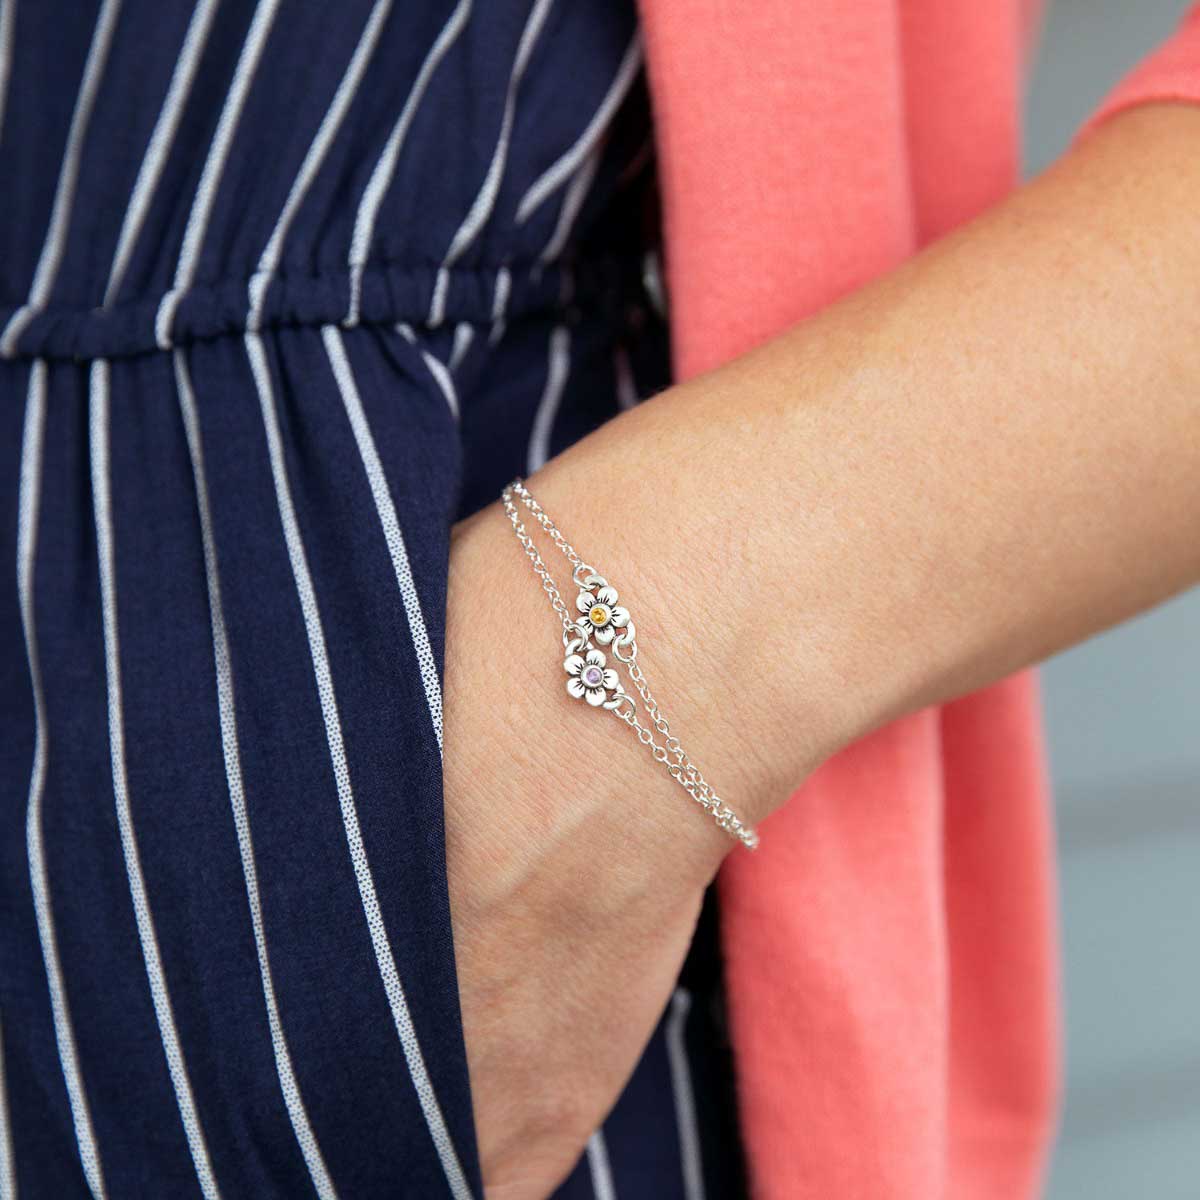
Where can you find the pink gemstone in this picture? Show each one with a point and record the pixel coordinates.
(592, 676)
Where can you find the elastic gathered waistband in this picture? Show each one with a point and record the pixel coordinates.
(417, 294)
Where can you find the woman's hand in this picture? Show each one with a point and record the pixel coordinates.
(576, 870)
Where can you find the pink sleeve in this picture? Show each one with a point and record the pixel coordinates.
(1172, 72)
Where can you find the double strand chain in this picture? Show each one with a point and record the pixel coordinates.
(601, 620)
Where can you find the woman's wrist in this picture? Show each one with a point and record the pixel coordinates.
(571, 771)
(706, 561)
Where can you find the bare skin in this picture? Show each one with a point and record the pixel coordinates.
(962, 468)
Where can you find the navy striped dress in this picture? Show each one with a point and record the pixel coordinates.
(287, 288)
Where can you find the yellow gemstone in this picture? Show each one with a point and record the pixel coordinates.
(598, 615)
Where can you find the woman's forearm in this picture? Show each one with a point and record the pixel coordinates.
(1002, 449)
(976, 461)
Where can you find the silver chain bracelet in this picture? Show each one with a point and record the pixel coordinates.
(604, 622)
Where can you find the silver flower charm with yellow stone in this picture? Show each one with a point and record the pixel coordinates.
(590, 679)
(600, 615)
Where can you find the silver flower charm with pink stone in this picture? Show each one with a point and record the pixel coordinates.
(600, 613)
(589, 679)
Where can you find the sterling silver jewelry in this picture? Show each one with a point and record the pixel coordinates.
(599, 628)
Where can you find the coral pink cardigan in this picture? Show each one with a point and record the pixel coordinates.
(891, 956)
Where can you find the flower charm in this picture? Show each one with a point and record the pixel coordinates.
(589, 677)
(602, 616)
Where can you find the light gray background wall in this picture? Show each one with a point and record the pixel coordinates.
(1124, 720)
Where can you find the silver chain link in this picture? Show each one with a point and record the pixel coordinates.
(670, 751)
(572, 630)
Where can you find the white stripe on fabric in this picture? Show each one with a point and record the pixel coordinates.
(599, 1168)
(485, 199)
(8, 1170)
(98, 434)
(435, 367)
(214, 167)
(500, 304)
(627, 396)
(385, 168)
(385, 507)
(690, 1161)
(558, 367)
(444, 380)
(68, 176)
(393, 987)
(159, 144)
(331, 123)
(227, 710)
(581, 184)
(8, 16)
(464, 335)
(28, 505)
(437, 303)
(557, 174)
